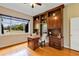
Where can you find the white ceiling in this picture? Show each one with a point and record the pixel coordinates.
(27, 9)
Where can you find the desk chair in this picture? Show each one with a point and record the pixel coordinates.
(43, 39)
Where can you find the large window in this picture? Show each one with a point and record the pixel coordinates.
(13, 25)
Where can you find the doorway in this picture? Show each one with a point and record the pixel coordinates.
(74, 33)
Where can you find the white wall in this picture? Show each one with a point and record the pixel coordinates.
(31, 26)
(6, 40)
(6, 11)
(70, 11)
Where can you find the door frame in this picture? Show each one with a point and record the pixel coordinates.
(70, 31)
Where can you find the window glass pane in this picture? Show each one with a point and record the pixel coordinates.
(6, 21)
(6, 25)
(6, 17)
(13, 25)
(16, 26)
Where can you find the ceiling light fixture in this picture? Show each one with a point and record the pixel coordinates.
(34, 4)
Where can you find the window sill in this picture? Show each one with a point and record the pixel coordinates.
(13, 34)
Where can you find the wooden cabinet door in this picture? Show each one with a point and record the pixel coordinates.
(55, 21)
(36, 43)
(50, 23)
(59, 19)
(50, 41)
(30, 44)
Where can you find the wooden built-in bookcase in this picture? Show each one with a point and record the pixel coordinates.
(54, 20)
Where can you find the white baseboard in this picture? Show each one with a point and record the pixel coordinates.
(66, 46)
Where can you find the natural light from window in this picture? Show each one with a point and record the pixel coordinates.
(12, 25)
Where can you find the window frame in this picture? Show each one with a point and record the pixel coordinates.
(11, 18)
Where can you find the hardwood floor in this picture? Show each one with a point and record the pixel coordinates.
(23, 50)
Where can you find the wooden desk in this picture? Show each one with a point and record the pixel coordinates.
(33, 41)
